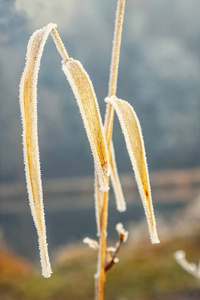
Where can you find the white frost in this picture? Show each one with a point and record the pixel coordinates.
(91, 243)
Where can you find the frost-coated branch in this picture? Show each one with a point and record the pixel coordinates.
(116, 48)
(100, 276)
(191, 268)
(123, 235)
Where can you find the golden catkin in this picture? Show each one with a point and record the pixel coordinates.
(28, 104)
(85, 96)
(135, 145)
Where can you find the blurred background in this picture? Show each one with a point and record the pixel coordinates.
(159, 75)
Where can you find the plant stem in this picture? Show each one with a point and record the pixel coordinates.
(102, 250)
(116, 48)
(112, 261)
(101, 272)
(59, 44)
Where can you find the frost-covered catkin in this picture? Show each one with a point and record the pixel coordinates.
(28, 105)
(84, 93)
(135, 145)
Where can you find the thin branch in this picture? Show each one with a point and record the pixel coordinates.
(116, 48)
(112, 87)
(101, 274)
(191, 268)
(113, 257)
(123, 235)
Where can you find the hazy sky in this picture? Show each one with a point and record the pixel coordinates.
(40, 12)
(159, 68)
(163, 29)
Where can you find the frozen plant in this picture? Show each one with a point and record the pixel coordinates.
(100, 139)
(191, 268)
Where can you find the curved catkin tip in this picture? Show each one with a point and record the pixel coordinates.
(28, 105)
(117, 188)
(135, 145)
(85, 96)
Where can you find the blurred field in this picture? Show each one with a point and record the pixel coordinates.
(69, 208)
(170, 186)
(144, 271)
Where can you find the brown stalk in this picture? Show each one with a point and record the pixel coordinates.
(101, 273)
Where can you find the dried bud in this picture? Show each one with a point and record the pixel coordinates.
(116, 260)
(91, 243)
(179, 255)
(123, 234)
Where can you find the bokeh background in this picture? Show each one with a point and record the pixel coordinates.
(159, 75)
